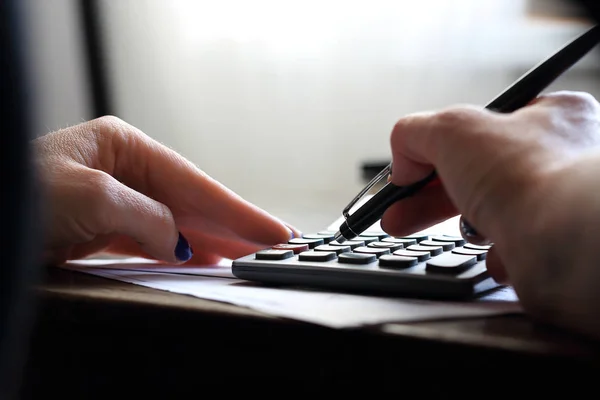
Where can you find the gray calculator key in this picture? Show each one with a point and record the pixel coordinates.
(352, 243)
(372, 250)
(326, 232)
(356, 258)
(386, 245)
(312, 243)
(433, 251)
(404, 242)
(296, 248)
(476, 247)
(394, 261)
(458, 241)
(326, 238)
(421, 255)
(336, 249)
(480, 254)
(273, 254)
(375, 234)
(366, 239)
(312, 255)
(416, 237)
(446, 246)
(450, 263)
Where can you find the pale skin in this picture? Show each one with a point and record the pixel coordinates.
(528, 182)
(112, 188)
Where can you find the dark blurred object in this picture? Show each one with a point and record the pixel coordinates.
(560, 10)
(370, 169)
(592, 9)
(91, 24)
(19, 238)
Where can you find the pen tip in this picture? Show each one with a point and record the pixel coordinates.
(338, 237)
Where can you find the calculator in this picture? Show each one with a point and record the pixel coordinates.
(435, 263)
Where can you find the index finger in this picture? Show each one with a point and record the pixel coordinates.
(420, 142)
(192, 196)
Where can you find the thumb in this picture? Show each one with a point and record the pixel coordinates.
(119, 209)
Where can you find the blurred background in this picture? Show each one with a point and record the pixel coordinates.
(286, 102)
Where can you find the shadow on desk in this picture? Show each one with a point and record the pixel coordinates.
(94, 335)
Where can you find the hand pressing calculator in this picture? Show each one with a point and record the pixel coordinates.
(435, 263)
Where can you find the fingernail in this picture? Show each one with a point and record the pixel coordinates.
(183, 250)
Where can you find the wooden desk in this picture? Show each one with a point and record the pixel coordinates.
(92, 333)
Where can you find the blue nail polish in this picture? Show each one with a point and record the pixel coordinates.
(183, 251)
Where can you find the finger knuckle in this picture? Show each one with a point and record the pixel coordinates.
(457, 124)
(458, 117)
(400, 125)
(99, 197)
(109, 124)
(575, 99)
(397, 132)
(109, 120)
(110, 127)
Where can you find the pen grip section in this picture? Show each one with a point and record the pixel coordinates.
(376, 206)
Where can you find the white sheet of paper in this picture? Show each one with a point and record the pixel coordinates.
(222, 270)
(318, 307)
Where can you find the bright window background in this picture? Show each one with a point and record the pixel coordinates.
(282, 100)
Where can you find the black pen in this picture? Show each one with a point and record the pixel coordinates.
(518, 95)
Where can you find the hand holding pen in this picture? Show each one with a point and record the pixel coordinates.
(528, 180)
(520, 94)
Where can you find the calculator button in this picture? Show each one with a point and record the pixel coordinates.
(446, 246)
(387, 245)
(312, 255)
(273, 254)
(375, 234)
(421, 255)
(450, 263)
(296, 248)
(416, 237)
(480, 254)
(326, 233)
(326, 237)
(366, 239)
(476, 247)
(352, 243)
(356, 258)
(433, 251)
(312, 243)
(458, 241)
(336, 249)
(372, 250)
(394, 261)
(404, 242)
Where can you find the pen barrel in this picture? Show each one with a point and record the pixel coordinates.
(375, 207)
(531, 84)
(521, 93)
